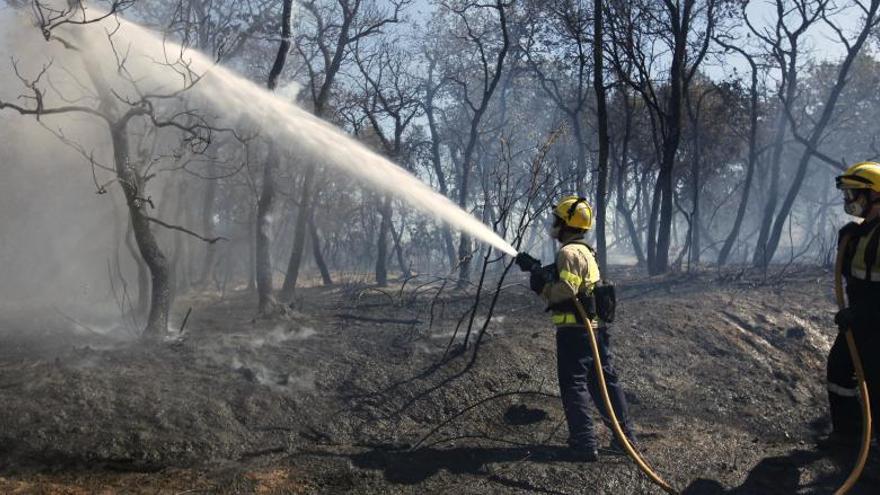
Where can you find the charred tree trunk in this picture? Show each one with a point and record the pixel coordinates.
(179, 268)
(671, 139)
(693, 237)
(208, 224)
(382, 242)
(264, 230)
(251, 271)
(437, 163)
(625, 211)
(580, 153)
(604, 141)
(299, 234)
(760, 256)
(267, 193)
(653, 213)
(398, 249)
(143, 276)
(316, 252)
(750, 166)
(160, 276)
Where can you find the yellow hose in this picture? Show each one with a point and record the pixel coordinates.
(860, 375)
(618, 431)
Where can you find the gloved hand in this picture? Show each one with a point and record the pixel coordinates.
(526, 262)
(845, 319)
(541, 276)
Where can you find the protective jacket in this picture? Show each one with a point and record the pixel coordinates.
(861, 265)
(578, 274)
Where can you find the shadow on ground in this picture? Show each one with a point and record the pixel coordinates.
(782, 474)
(412, 467)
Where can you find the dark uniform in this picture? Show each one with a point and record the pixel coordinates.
(578, 273)
(861, 271)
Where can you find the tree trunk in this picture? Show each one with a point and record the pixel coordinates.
(299, 233)
(398, 249)
(208, 224)
(653, 214)
(436, 161)
(604, 141)
(316, 252)
(750, 167)
(251, 269)
(160, 276)
(143, 280)
(665, 178)
(625, 211)
(580, 153)
(382, 242)
(179, 269)
(263, 231)
(267, 193)
(693, 238)
(760, 257)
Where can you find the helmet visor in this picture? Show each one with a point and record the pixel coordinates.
(852, 182)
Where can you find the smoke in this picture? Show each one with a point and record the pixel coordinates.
(55, 240)
(59, 236)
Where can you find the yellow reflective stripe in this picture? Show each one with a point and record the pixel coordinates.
(564, 318)
(570, 278)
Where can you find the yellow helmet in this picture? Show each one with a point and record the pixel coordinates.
(575, 212)
(864, 175)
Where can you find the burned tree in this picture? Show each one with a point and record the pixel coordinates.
(118, 109)
(329, 31)
(684, 29)
(390, 103)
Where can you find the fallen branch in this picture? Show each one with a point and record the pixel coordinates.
(185, 319)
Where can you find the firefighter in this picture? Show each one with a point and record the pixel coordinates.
(860, 241)
(576, 273)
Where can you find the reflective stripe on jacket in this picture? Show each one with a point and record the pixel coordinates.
(862, 260)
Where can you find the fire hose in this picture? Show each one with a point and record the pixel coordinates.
(618, 431)
(860, 376)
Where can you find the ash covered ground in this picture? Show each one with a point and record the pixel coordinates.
(350, 393)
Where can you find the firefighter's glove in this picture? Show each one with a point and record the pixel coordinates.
(541, 276)
(845, 319)
(526, 262)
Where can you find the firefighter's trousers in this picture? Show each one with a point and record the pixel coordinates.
(843, 393)
(578, 382)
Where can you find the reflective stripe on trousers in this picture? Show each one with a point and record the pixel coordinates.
(842, 391)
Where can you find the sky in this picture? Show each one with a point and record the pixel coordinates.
(821, 43)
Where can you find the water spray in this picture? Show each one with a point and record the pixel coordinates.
(234, 95)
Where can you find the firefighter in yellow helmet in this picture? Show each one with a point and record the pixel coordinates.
(576, 273)
(860, 242)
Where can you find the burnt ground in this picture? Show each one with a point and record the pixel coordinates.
(350, 393)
